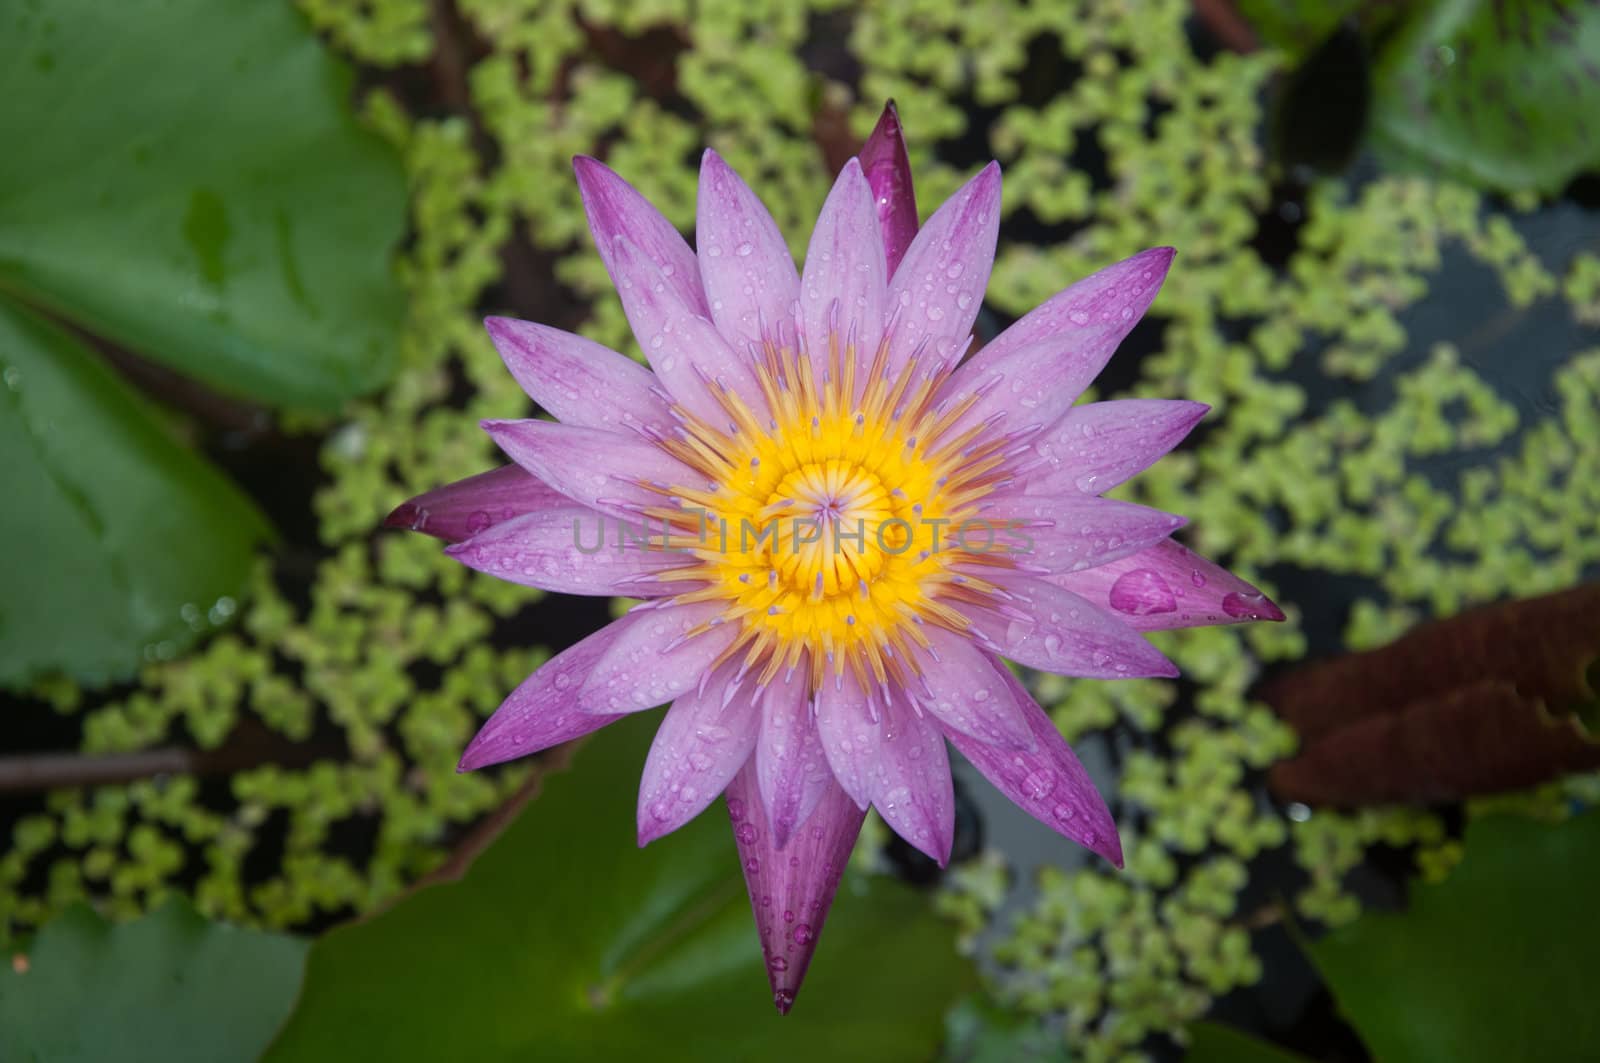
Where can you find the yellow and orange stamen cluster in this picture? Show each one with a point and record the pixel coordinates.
(839, 527)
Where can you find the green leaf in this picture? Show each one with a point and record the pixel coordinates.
(185, 178)
(112, 538)
(169, 988)
(1212, 1042)
(565, 941)
(1495, 964)
(1504, 95)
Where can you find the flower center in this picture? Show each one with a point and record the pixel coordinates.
(839, 527)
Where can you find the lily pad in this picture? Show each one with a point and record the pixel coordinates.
(1493, 964)
(116, 543)
(168, 988)
(1501, 95)
(565, 941)
(1504, 95)
(186, 178)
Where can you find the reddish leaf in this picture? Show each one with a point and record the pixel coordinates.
(1483, 702)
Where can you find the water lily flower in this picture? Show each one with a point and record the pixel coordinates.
(841, 524)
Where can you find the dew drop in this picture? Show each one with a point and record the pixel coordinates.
(1142, 592)
(744, 250)
(1039, 783)
(1244, 606)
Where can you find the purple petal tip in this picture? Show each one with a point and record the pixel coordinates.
(403, 516)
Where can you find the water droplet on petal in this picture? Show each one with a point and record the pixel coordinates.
(1039, 783)
(1142, 592)
(1245, 606)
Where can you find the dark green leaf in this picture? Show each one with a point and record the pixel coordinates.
(185, 177)
(1211, 1042)
(1495, 964)
(1501, 94)
(169, 988)
(112, 538)
(564, 941)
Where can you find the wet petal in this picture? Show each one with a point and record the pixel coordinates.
(544, 710)
(462, 509)
(577, 380)
(1068, 534)
(607, 471)
(749, 277)
(887, 166)
(1097, 446)
(1054, 630)
(703, 741)
(615, 208)
(655, 660)
(936, 292)
(964, 694)
(570, 549)
(1091, 317)
(791, 770)
(845, 279)
(1167, 585)
(679, 341)
(1048, 783)
(896, 762)
(791, 892)
(1025, 390)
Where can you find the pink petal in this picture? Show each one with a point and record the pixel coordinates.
(578, 381)
(1166, 585)
(750, 280)
(656, 660)
(845, 278)
(1067, 534)
(937, 290)
(569, 549)
(681, 344)
(1054, 630)
(1048, 783)
(1092, 316)
(604, 470)
(887, 166)
(703, 741)
(1097, 446)
(615, 208)
(964, 694)
(544, 710)
(463, 509)
(791, 770)
(1022, 391)
(896, 762)
(791, 891)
